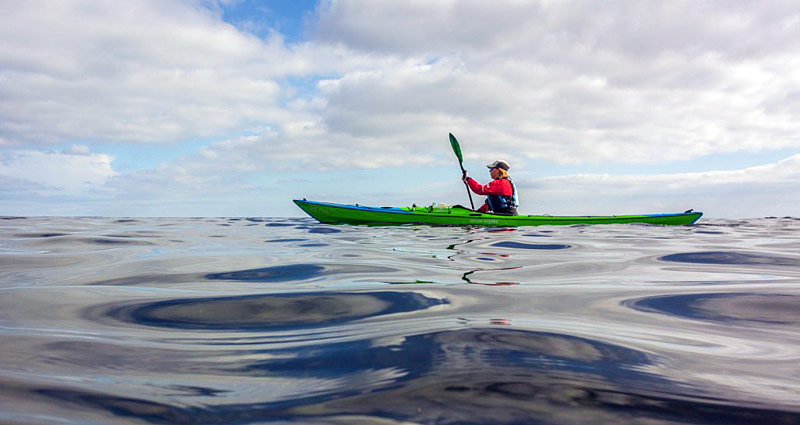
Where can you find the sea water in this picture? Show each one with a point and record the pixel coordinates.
(260, 320)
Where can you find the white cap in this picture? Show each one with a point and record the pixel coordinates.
(499, 164)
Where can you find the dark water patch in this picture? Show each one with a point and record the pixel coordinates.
(731, 258)
(475, 376)
(13, 218)
(324, 230)
(286, 273)
(115, 241)
(195, 391)
(498, 376)
(285, 240)
(478, 396)
(126, 220)
(40, 235)
(730, 308)
(466, 376)
(280, 225)
(521, 245)
(458, 353)
(255, 220)
(271, 312)
(537, 236)
(527, 397)
(271, 274)
(109, 356)
(86, 405)
(149, 279)
(297, 272)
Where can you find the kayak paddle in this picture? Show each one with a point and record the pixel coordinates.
(457, 151)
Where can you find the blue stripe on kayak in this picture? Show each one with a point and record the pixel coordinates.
(698, 213)
(393, 210)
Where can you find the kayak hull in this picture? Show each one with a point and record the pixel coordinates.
(459, 216)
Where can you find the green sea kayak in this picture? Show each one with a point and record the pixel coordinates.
(459, 216)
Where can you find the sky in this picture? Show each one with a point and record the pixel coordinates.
(236, 107)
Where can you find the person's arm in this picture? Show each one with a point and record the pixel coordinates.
(494, 187)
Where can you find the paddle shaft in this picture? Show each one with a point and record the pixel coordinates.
(457, 150)
(469, 192)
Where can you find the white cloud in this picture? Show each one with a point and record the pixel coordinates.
(750, 192)
(75, 172)
(145, 71)
(571, 82)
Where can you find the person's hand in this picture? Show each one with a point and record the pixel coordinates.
(465, 176)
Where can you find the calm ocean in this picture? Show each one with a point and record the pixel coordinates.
(260, 320)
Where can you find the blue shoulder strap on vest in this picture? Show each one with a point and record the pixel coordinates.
(514, 195)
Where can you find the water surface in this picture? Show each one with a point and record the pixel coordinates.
(262, 320)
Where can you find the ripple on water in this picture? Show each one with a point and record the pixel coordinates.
(270, 312)
(482, 375)
(496, 375)
(290, 272)
(40, 235)
(297, 272)
(272, 274)
(732, 258)
(727, 307)
(521, 245)
(287, 240)
(324, 230)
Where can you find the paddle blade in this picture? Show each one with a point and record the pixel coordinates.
(456, 148)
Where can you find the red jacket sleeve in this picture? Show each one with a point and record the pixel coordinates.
(494, 187)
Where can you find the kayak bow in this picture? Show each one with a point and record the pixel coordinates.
(459, 216)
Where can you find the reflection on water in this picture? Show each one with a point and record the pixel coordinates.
(295, 272)
(258, 320)
(270, 312)
(271, 274)
(521, 245)
(734, 308)
(731, 257)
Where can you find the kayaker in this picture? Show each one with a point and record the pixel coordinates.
(501, 194)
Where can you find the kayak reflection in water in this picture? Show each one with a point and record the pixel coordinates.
(501, 193)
